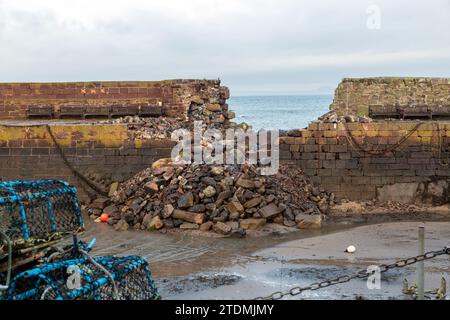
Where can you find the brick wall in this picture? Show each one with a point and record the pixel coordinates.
(174, 95)
(354, 96)
(354, 160)
(107, 152)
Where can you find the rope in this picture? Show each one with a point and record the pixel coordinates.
(442, 162)
(354, 143)
(74, 171)
(108, 274)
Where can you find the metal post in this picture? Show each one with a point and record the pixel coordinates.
(420, 267)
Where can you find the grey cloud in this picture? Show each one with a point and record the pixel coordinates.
(253, 46)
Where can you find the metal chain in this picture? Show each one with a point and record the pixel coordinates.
(360, 149)
(359, 275)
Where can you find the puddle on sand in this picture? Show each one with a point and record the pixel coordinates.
(189, 266)
(195, 283)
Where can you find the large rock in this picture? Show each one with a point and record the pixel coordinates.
(168, 210)
(151, 187)
(192, 217)
(252, 223)
(206, 226)
(222, 228)
(252, 202)
(213, 107)
(122, 225)
(189, 226)
(217, 171)
(269, 211)
(146, 220)
(197, 100)
(209, 191)
(113, 188)
(186, 200)
(99, 203)
(155, 223)
(245, 183)
(111, 210)
(313, 221)
(161, 163)
(235, 207)
(223, 196)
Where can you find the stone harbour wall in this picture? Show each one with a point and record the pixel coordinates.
(103, 153)
(354, 96)
(174, 96)
(391, 160)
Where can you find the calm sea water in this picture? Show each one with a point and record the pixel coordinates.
(279, 112)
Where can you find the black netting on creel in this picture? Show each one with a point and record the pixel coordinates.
(37, 210)
(102, 278)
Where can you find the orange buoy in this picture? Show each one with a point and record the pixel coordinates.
(104, 217)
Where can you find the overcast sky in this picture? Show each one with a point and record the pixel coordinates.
(265, 46)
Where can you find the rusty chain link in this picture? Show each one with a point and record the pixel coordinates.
(362, 274)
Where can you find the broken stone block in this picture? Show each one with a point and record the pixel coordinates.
(206, 226)
(231, 115)
(197, 100)
(113, 188)
(289, 223)
(122, 225)
(252, 202)
(278, 219)
(245, 183)
(155, 223)
(168, 210)
(222, 196)
(151, 187)
(111, 210)
(213, 107)
(100, 203)
(189, 226)
(235, 206)
(234, 216)
(288, 214)
(146, 220)
(186, 200)
(233, 224)
(161, 163)
(209, 191)
(222, 228)
(269, 211)
(252, 223)
(217, 171)
(309, 221)
(137, 226)
(192, 217)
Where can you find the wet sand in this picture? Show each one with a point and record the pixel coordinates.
(186, 265)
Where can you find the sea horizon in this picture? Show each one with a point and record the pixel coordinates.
(287, 111)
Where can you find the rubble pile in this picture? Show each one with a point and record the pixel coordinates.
(225, 199)
(333, 117)
(151, 128)
(162, 127)
(209, 106)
